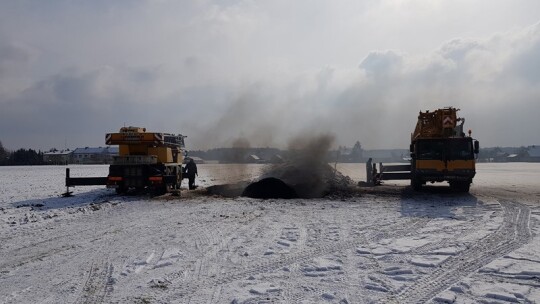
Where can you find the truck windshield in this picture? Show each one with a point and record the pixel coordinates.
(445, 149)
(459, 149)
(430, 149)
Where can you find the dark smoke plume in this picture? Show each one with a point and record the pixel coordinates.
(306, 169)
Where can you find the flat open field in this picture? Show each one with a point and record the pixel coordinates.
(379, 245)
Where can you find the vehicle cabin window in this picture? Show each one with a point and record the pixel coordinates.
(460, 149)
(430, 149)
(449, 150)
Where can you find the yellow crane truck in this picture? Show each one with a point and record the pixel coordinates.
(146, 160)
(440, 151)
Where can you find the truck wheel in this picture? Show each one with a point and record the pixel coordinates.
(416, 184)
(121, 189)
(464, 187)
(157, 191)
(178, 179)
(460, 186)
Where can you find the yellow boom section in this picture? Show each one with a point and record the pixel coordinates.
(438, 123)
(136, 141)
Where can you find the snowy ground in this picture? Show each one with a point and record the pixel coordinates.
(383, 245)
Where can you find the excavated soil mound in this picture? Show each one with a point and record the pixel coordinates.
(310, 179)
(288, 181)
(269, 188)
(305, 173)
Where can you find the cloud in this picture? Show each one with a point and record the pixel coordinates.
(381, 64)
(263, 71)
(13, 56)
(15, 63)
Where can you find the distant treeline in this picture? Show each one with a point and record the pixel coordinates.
(20, 157)
(23, 157)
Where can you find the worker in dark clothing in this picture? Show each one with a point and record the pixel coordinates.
(191, 172)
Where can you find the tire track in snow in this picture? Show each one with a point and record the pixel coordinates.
(511, 279)
(325, 234)
(513, 233)
(467, 229)
(62, 242)
(218, 242)
(392, 229)
(207, 242)
(290, 294)
(98, 284)
(296, 292)
(189, 288)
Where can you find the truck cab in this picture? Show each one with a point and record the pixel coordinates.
(444, 159)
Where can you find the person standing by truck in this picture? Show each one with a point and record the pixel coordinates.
(191, 172)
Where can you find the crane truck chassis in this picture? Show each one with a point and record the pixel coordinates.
(440, 151)
(146, 160)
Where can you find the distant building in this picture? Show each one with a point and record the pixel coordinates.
(99, 155)
(57, 157)
(252, 158)
(513, 158)
(500, 157)
(532, 154)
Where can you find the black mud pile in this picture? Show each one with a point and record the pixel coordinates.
(305, 174)
(306, 169)
(310, 180)
(269, 188)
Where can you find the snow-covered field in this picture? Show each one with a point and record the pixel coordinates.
(382, 245)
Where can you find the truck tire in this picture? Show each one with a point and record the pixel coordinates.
(178, 178)
(416, 184)
(121, 189)
(460, 186)
(161, 189)
(464, 187)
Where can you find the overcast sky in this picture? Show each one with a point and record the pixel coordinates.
(266, 71)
